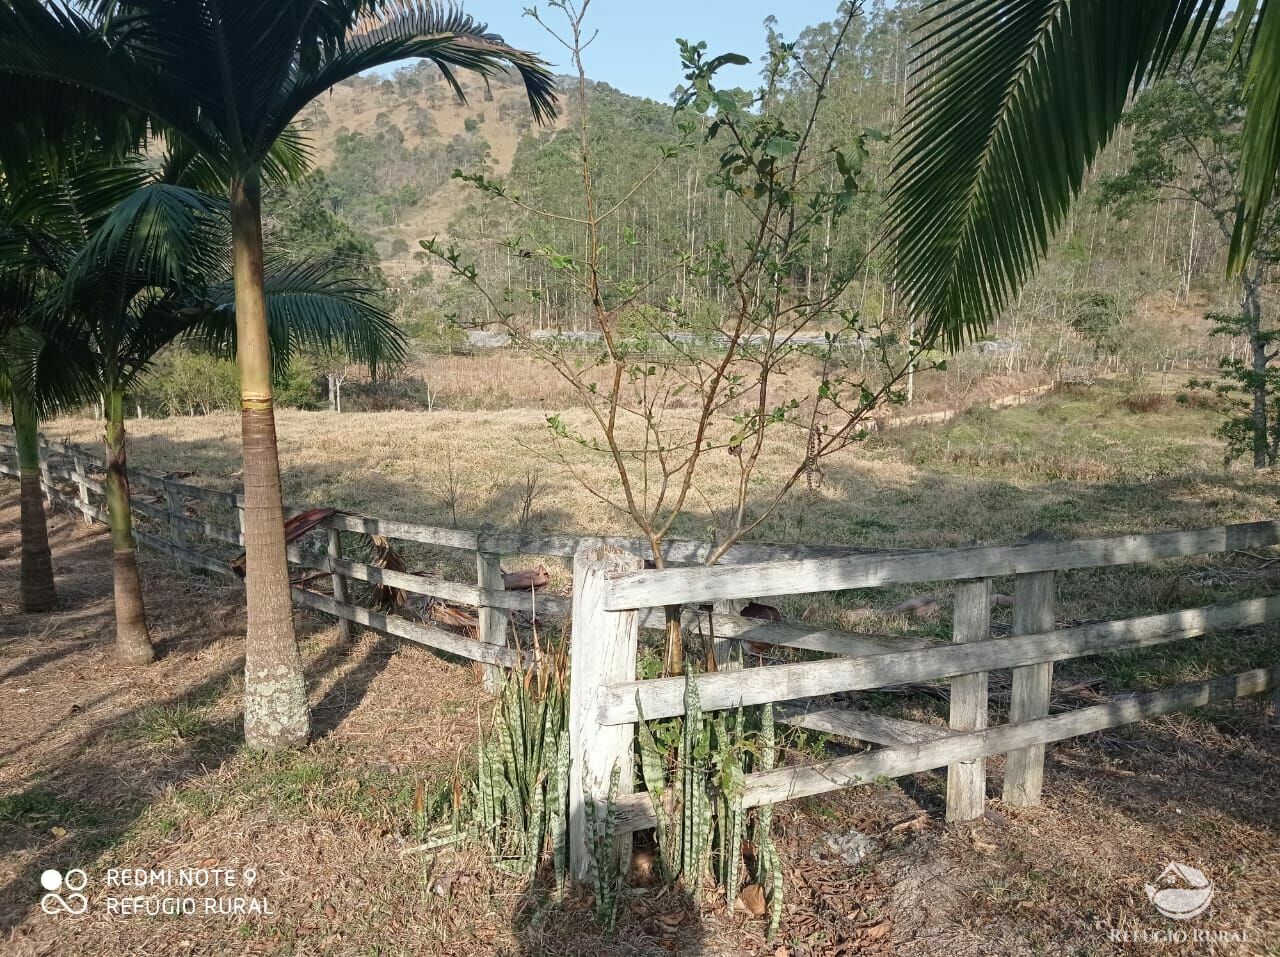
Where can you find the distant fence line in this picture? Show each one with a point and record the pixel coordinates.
(614, 597)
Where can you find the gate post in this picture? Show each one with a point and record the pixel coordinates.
(1032, 615)
(173, 503)
(967, 780)
(492, 621)
(82, 483)
(339, 583)
(602, 651)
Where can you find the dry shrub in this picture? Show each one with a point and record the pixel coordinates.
(1145, 402)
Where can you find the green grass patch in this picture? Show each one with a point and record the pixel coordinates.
(38, 809)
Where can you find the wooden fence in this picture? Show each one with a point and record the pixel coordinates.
(203, 528)
(614, 597)
(612, 592)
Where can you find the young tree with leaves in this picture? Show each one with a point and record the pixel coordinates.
(676, 390)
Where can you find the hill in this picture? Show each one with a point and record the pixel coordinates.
(385, 149)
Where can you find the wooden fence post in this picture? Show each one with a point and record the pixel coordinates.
(43, 445)
(339, 583)
(493, 621)
(967, 780)
(1032, 614)
(728, 651)
(173, 502)
(83, 485)
(602, 651)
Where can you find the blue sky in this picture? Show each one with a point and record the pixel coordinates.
(636, 49)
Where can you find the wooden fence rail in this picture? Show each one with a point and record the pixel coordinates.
(870, 662)
(184, 538)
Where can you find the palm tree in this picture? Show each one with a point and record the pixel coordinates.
(37, 587)
(43, 214)
(228, 77)
(157, 271)
(1011, 101)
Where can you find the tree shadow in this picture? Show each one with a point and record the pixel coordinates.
(344, 695)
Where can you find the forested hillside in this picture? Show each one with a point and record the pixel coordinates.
(1124, 280)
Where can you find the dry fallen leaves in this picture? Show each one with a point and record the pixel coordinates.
(751, 901)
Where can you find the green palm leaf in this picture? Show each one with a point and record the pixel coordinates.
(1011, 102)
(55, 373)
(1260, 143)
(309, 306)
(411, 28)
(160, 235)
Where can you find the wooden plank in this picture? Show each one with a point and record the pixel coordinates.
(82, 484)
(207, 529)
(676, 550)
(213, 496)
(801, 637)
(652, 587)
(416, 632)
(492, 620)
(184, 555)
(967, 780)
(430, 585)
(857, 725)
(664, 697)
(339, 583)
(1031, 689)
(784, 784)
(602, 650)
(426, 534)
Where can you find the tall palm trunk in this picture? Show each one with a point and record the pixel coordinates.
(275, 695)
(133, 641)
(37, 588)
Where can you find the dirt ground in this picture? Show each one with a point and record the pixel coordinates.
(103, 768)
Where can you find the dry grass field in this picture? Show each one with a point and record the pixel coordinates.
(104, 767)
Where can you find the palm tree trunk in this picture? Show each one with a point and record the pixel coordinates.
(133, 641)
(37, 588)
(275, 694)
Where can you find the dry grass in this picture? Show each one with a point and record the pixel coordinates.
(102, 766)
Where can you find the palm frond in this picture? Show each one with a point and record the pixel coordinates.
(53, 372)
(310, 305)
(1260, 141)
(161, 235)
(390, 31)
(1010, 102)
(60, 55)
